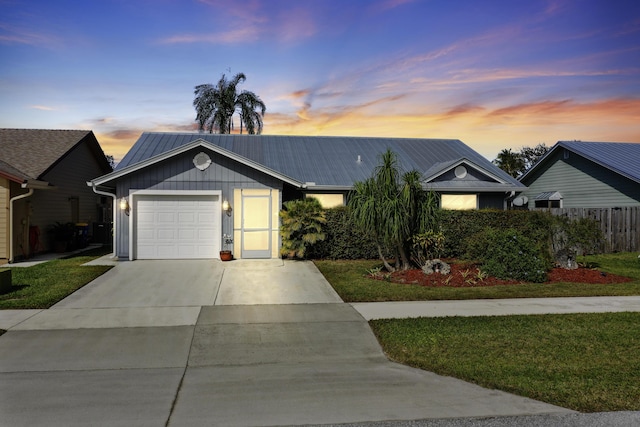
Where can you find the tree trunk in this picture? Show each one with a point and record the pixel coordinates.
(384, 260)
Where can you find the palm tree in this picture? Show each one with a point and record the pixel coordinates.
(216, 105)
(510, 162)
(392, 208)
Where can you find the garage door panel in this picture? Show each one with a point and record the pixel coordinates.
(177, 226)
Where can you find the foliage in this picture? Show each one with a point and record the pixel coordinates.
(458, 226)
(349, 279)
(515, 163)
(510, 162)
(343, 240)
(426, 246)
(507, 254)
(301, 226)
(578, 237)
(392, 206)
(586, 362)
(530, 155)
(216, 105)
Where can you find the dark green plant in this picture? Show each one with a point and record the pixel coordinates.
(426, 246)
(301, 226)
(343, 239)
(508, 254)
(392, 206)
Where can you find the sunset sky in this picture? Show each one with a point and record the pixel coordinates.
(494, 73)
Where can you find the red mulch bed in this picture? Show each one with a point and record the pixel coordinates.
(467, 275)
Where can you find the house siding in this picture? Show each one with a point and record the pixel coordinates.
(179, 173)
(69, 176)
(4, 218)
(582, 183)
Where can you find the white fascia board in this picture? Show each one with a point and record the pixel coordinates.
(184, 148)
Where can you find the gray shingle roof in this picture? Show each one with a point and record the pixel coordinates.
(31, 152)
(324, 160)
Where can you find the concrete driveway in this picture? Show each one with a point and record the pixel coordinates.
(192, 343)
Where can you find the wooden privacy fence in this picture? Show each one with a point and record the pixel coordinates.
(620, 226)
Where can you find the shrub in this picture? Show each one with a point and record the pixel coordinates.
(457, 226)
(508, 254)
(426, 246)
(343, 240)
(301, 226)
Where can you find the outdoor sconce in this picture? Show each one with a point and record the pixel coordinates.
(226, 207)
(124, 205)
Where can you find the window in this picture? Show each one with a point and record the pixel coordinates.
(548, 203)
(548, 199)
(328, 200)
(459, 201)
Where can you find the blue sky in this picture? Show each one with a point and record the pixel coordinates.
(495, 74)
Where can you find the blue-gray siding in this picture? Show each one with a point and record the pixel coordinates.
(582, 183)
(179, 173)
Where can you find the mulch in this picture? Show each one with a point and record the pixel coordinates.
(469, 275)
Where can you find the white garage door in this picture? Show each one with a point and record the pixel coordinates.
(177, 226)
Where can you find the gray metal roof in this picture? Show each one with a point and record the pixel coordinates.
(323, 160)
(549, 195)
(623, 158)
(620, 157)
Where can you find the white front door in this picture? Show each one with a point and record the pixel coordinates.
(175, 226)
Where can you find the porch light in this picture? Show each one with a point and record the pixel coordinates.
(226, 207)
(124, 205)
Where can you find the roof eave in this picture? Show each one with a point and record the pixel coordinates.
(186, 147)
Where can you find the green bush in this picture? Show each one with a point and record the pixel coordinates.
(508, 254)
(458, 226)
(343, 240)
(301, 226)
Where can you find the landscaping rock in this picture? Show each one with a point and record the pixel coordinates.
(566, 259)
(436, 266)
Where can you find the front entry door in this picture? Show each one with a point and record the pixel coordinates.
(256, 225)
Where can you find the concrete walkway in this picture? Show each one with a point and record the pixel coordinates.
(496, 307)
(192, 343)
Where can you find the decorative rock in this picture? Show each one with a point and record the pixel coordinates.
(566, 259)
(436, 266)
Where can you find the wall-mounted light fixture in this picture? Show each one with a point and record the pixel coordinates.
(124, 205)
(226, 207)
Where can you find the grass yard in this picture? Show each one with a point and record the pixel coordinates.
(349, 281)
(586, 362)
(45, 284)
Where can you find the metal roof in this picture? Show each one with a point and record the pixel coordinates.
(323, 160)
(620, 157)
(549, 195)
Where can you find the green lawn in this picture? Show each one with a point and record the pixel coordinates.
(349, 281)
(43, 285)
(586, 362)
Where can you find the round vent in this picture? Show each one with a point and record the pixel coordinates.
(460, 172)
(202, 161)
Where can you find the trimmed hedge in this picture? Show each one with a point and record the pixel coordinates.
(459, 226)
(343, 240)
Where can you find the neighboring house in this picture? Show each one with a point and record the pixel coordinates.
(575, 174)
(43, 176)
(173, 187)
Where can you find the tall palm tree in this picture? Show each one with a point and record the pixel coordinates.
(216, 105)
(391, 207)
(510, 162)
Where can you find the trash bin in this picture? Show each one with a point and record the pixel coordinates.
(82, 235)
